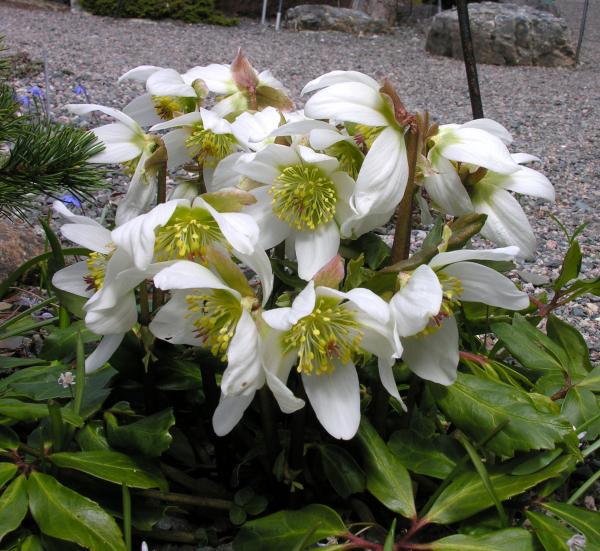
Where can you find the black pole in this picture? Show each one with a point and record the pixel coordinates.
(582, 29)
(469, 56)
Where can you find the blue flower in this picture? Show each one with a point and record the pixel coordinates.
(79, 90)
(36, 91)
(70, 199)
(24, 101)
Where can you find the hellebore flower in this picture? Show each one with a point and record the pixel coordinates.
(354, 97)
(204, 311)
(126, 142)
(304, 201)
(423, 308)
(323, 332)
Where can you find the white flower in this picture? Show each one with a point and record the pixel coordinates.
(107, 279)
(351, 96)
(577, 542)
(204, 311)
(240, 87)
(126, 142)
(180, 229)
(304, 201)
(323, 332)
(423, 307)
(66, 379)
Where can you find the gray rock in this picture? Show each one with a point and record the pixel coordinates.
(319, 17)
(505, 34)
(546, 5)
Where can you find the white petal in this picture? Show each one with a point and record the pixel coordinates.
(244, 366)
(386, 375)
(60, 209)
(214, 122)
(120, 318)
(71, 279)
(364, 299)
(326, 163)
(287, 402)
(278, 318)
(268, 163)
(492, 127)
(140, 73)
(522, 158)
(250, 129)
(301, 127)
(229, 412)
(86, 108)
(142, 110)
(120, 144)
(434, 357)
(185, 274)
(217, 78)
(446, 189)
(315, 248)
(240, 229)
(137, 236)
(171, 324)
(501, 254)
(529, 182)
(477, 147)
(140, 193)
(260, 263)
(272, 230)
(183, 120)
(483, 284)
(107, 347)
(178, 154)
(335, 399)
(352, 102)
(225, 174)
(506, 223)
(231, 104)
(304, 303)
(339, 77)
(417, 301)
(382, 178)
(168, 82)
(324, 138)
(95, 238)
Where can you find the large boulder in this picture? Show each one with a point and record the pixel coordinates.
(318, 17)
(18, 243)
(545, 5)
(505, 34)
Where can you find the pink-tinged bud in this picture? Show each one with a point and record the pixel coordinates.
(244, 75)
(332, 274)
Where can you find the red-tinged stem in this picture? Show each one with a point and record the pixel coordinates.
(359, 543)
(416, 526)
(470, 356)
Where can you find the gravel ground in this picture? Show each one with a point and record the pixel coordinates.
(552, 113)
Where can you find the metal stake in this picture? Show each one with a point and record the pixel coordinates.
(582, 29)
(263, 18)
(469, 56)
(278, 19)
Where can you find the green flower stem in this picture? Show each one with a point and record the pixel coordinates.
(581, 490)
(591, 448)
(56, 426)
(185, 499)
(80, 376)
(158, 296)
(26, 329)
(126, 516)
(27, 312)
(268, 424)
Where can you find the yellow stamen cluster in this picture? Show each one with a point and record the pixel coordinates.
(451, 291)
(215, 317)
(304, 197)
(212, 147)
(169, 107)
(329, 333)
(96, 264)
(348, 157)
(187, 235)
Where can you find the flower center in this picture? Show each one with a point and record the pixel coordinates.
(451, 291)
(304, 197)
(96, 265)
(330, 332)
(212, 147)
(366, 134)
(187, 234)
(168, 107)
(216, 315)
(349, 157)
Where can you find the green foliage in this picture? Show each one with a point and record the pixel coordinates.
(552, 534)
(13, 505)
(514, 539)
(190, 11)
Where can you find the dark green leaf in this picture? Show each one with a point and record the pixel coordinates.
(375, 250)
(113, 466)
(26, 411)
(13, 505)
(389, 540)
(551, 533)
(7, 472)
(179, 375)
(237, 515)
(387, 478)
(61, 343)
(591, 381)
(586, 522)
(7, 364)
(38, 383)
(512, 539)
(286, 529)
(477, 406)
(571, 266)
(571, 340)
(356, 273)
(9, 439)
(581, 405)
(65, 514)
(149, 436)
(32, 543)
(535, 351)
(434, 457)
(342, 471)
(536, 462)
(256, 505)
(466, 494)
